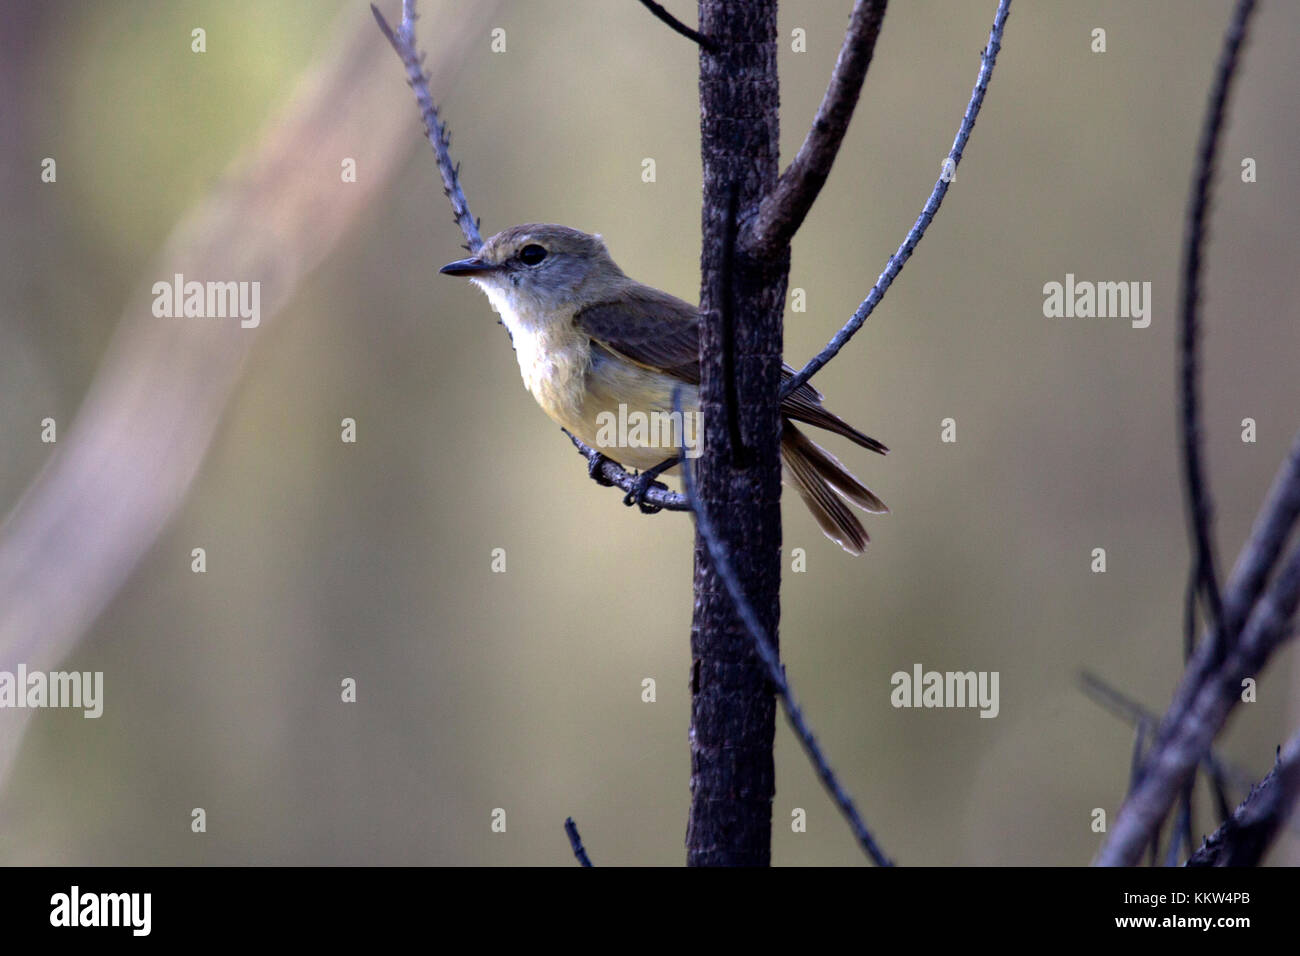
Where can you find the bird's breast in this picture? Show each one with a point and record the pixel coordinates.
(554, 357)
(585, 387)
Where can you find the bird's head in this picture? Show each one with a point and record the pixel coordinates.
(539, 268)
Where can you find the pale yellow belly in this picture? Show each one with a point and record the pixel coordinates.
(623, 410)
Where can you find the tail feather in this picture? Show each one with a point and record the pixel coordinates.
(804, 404)
(821, 480)
(802, 409)
(839, 477)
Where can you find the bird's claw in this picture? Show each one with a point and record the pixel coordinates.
(641, 486)
(596, 469)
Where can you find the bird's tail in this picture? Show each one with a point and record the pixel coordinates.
(825, 485)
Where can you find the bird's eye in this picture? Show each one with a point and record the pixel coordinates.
(531, 254)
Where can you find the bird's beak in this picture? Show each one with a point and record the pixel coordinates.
(473, 266)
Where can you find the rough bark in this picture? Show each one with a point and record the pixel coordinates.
(741, 300)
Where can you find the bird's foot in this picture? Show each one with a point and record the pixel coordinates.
(642, 484)
(596, 469)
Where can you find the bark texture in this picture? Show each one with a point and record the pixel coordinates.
(741, 301)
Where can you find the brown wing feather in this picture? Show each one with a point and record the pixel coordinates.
(650, 328)
(660, 331)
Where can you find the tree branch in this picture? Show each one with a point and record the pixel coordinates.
(1258, 557)
(1261, 553)
(768, 654)
(1184, 739)
(1145, 720)
(1272, 527)
(677, 25)
(782, 211)
(1204, 570)
(1248, 833)
(733, 709)
(403, 41)
(896, 262)
(575, 841)
(606, 471)
(1207, 691)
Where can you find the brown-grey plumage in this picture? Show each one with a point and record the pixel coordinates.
(588, 338)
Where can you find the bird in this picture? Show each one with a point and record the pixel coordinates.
(592, 342)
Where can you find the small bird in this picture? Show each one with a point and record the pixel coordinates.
(591, 342)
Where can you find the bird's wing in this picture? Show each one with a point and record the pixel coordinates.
(661, 332)
(648, 327)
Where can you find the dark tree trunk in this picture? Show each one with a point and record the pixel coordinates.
(732, 708)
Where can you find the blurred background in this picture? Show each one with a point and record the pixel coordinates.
(523, 690)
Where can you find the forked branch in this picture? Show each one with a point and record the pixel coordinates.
(896, 262)
(782, 212)
(677, 26)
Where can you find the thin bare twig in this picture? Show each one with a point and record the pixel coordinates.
(707, 42)
(1207, 691)
(1261, 553)
(772, 663)
(1204, 570)
(1182, 835)
(987, 60)
(1183, 741)
(606, 471)
(1248, 833)
(783, 210)
(575, 841)
(1272, 527)
(1146, 720)
(403, 41)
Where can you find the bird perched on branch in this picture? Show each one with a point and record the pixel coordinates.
(599, 351)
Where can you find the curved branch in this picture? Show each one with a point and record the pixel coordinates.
(1184, 738)
(1204, 571)
(658, 10)
(1207, 691)
(403, 41)
(782, 211)
(772, 663)
(1259, 556)
(1261, 553)
(987, 60)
